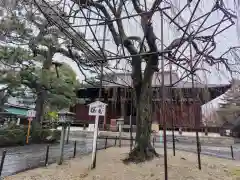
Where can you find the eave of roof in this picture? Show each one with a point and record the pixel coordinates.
(17, 106)
(186, 85)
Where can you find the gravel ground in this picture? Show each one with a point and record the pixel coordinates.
(110, 167)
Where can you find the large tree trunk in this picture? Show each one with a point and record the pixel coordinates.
(41, 90)
(143, 149)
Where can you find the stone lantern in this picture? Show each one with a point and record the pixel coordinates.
(65, 120)
(120, 123)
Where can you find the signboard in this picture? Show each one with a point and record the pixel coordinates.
(228, 132)
(31, 113)
(97, 108)
(155, 127)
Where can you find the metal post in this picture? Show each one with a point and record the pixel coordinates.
(196, 123)
(2, 161)
(173, 135)
(115, 143)
(106, 142)
(99, 97)
(131, 113)
(60, 160)
(131, 141)
(232, 152)
(68, 132)
(47, 153)
(163, 102)
(75, 149)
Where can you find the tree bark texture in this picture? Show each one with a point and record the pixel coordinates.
(41, 90)
(143, 149)
(40, 101)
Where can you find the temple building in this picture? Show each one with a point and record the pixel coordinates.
(182, 107)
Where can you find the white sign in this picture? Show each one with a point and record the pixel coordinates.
(97, 108)
(31, 113)
(228, 132)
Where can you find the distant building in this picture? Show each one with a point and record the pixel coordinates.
(185, 109)
(13, 108)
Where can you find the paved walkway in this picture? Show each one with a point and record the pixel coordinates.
(220, 152)
(109, 166)
(27, 157)
(184, 133)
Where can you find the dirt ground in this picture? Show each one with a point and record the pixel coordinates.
(110, 167)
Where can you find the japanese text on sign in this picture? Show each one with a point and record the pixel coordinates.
(31, 113)
(97, 109)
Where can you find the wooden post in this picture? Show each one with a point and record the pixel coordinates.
(105, 121)
(120, 135)
(94, 150)
(29, 128)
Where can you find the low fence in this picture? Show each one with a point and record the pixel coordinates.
(49, 153)
(227, 152)
(33, 156)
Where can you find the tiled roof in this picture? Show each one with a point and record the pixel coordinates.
(125, 79)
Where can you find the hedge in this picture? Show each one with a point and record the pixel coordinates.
(17, 136)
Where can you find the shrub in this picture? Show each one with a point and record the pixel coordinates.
(12, 137)
(17, 136)
(45, 136)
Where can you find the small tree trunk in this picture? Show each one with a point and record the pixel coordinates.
(41, 98)
(143, 149)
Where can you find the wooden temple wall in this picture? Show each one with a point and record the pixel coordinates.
(185, 115)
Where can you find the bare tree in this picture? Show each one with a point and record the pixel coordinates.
(111, 13)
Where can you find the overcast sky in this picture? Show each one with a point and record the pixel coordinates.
(225, 40)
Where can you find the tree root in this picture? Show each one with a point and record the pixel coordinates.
(140, 154)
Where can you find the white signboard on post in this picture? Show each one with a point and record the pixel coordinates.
(31, 113)
(96, 109)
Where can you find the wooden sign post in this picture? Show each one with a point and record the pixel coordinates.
(30, 114)
(96, 109)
